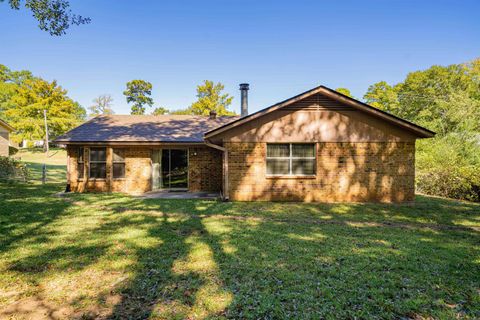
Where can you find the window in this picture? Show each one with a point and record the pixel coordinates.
(118, 163)
(342, 162)
(80, 163)
(98, 163)
(291, 159)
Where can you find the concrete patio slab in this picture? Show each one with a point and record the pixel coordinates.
(180, 195)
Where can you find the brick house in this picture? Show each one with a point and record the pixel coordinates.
(5, 130)
(317, 146)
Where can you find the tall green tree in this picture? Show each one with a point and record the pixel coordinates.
(17, 77)
(25, 110)
(160, 111)
(9, 83)
(53, 16)
(439, 97)
(211, 98)
(7, 88)
(345, 92)
(102, 105)
(185, 111)
(138, 92)
(383, 96)
(445, 99)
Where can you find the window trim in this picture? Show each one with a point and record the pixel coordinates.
(90, 164)
(117, 162)
(291, 158)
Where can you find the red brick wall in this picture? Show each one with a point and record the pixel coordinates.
(205, 171)
(137, 172)
(362, 171)
(348, 171)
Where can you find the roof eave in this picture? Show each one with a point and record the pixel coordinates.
(70, 142)
(7, 126)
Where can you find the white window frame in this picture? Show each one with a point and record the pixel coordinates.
(291, 158)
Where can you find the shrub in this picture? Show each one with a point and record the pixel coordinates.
(12, 150)
(458, 183)
(11, 169)
(449, 166)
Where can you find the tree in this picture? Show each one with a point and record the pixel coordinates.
(210, 98)
(383, 96)
(23, 97)
(53, 16)
(9, 82)
(160, 111)
(445, 99)
(434, 97)
(138, 92)
(186, 111)
(17, 77)
(25, 110)
(102, 105)
(345, 92)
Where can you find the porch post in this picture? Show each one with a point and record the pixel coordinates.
(109, 169)
(69, 150)
(86, 168)
(225, 174)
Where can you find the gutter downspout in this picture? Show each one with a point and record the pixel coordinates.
(225, 167)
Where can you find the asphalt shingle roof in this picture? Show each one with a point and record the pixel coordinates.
(133, 128)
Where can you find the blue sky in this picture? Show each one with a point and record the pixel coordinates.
(281, 48)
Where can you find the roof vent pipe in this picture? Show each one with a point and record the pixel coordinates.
(244, 99)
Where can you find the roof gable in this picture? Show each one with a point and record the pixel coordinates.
(332, 94)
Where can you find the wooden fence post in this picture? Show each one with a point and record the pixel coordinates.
(44, 173)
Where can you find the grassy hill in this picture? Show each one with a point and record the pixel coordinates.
(56, 163)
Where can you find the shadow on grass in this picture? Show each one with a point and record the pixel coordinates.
(269, 268)
(26, 212)
(206, 259)
(155, 280)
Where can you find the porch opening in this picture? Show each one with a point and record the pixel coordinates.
(170, 169)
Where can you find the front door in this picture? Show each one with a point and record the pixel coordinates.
(170, 169)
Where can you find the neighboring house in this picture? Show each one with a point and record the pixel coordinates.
(317, 146)
(32, 143)
(5, 130)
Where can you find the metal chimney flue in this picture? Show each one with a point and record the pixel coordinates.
(244, 99)
(213, 114)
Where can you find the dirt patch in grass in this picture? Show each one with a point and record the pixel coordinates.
(35, 308)
(38, 307)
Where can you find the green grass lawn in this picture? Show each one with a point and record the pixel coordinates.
(35, 158)
(119, 257)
